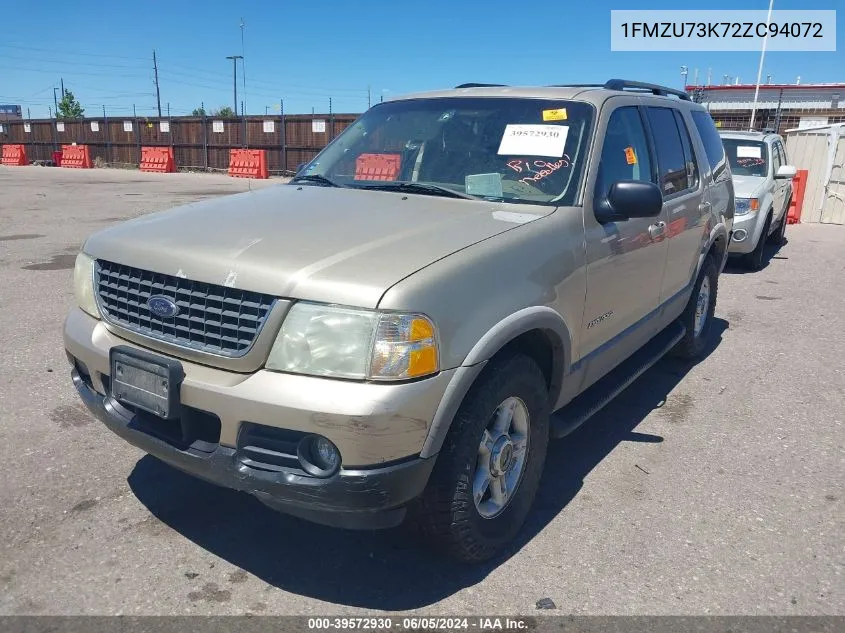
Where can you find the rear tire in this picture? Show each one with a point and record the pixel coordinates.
(471, 525)
(754, 259)
(697, 317)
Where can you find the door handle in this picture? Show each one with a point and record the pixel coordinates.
(656, 230)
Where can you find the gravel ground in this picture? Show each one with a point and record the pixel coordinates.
(712, 489)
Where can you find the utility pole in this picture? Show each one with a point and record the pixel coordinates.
(235, 59)
(760, 67)
(55, 103)
(158, 94)
(368, 97)
(63, 88)
(243, 64)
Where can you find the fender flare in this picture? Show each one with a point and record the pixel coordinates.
(718, 231)
(493, 341)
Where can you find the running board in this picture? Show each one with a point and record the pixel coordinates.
(593, 400)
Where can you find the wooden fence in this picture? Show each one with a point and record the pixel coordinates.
(200, 143)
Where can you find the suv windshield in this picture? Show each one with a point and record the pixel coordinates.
(747, 158)
(513, 149)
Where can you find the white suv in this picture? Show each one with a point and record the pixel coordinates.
(763, 186)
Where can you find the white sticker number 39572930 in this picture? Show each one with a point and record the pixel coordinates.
(533, 140)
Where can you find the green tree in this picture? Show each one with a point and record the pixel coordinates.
(198, 112)
(69, 107)
(224, 112)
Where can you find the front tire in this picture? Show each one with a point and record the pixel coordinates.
(754, 259)
(697, 317)
(778, 238)
(488, 471)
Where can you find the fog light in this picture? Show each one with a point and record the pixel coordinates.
(740, 235)
(318, 456)
(326, 453)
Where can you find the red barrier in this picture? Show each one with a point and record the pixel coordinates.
(157, 159)
(248, 163)
(76, 156)
(377, 166)
(796, 205)
(57, 159)
(14, 155)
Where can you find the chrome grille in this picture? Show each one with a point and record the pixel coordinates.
(214, 319)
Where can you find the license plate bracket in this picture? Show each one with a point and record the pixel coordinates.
(146, 381)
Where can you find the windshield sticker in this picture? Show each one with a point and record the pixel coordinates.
(750, 162)
(749, 151)
(554, 115)
(537, 169)
(377, 166)
(533, 140)
(630, 156)
(484, 185)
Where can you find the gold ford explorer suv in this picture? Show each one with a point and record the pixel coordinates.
(389, 334)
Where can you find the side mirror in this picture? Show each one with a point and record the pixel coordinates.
(629, 199)
(786, 171)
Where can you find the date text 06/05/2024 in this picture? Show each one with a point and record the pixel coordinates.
(418, 623)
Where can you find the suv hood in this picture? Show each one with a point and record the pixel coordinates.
(315, 243)
(749, 186)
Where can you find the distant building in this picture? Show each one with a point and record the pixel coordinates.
(779, 106)
(10, 113)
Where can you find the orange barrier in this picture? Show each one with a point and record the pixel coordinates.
(157, 159)
(799, 186)
(377, 166)
(14, 155)
(248, 163)
(76, 156)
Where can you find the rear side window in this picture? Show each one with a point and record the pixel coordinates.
(709, 137)
(670, 151)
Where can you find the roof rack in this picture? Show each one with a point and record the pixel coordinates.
(663, 91)
(611, 84)
(480, 86)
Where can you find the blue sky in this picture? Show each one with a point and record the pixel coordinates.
(308, 52)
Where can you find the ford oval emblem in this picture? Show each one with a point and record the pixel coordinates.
(163, 307)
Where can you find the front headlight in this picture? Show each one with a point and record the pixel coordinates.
(83, 284)
(746, 205)
(337, 342)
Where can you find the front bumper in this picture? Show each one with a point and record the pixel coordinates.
(748, 224)
(356, 499)
(379, 430)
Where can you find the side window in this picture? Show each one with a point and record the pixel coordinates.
(782, 150)
(689, 154)
(624, 155)
(777, 160)
(670, 152)
(709, 137)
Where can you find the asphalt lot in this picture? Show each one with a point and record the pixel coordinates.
(711, 489)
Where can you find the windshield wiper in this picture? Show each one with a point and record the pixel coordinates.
(316, 178)
(420, 187)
